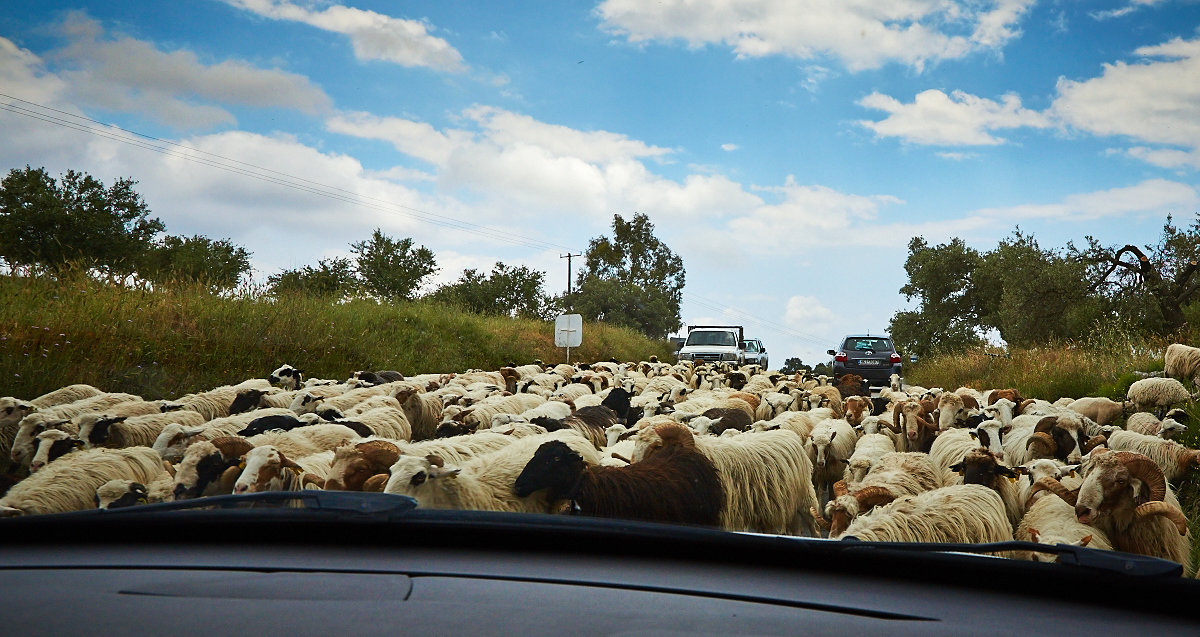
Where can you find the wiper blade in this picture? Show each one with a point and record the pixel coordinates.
(374, 506)
(1110, 561)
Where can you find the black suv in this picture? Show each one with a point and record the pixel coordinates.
(872, 357)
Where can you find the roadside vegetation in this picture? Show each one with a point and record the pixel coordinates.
(175, 339)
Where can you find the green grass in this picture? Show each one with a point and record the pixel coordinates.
(1104, 366)
(179, 339)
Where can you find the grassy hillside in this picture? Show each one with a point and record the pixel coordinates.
(168, 342)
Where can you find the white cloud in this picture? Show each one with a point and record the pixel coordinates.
(861, 35)
(374, 36)
(533, 166)
(1156, 101)
(23, 75)
(807, 313)
(956, 156)
(729, 148)
(174, 88)
(1159, 196)
(1166, 157)
(959, 119)
(1122, 11)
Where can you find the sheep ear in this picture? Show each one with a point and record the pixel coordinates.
(1137, 486)
(442, 472)
(974, 436)
(1033, 534)
(957, 468)
(1021, 470)
(1084, 541)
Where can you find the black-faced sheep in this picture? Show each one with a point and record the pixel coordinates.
(676, 485)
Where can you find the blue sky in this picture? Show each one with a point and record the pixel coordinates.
(786, 149)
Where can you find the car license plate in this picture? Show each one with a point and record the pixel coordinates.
(868, 362)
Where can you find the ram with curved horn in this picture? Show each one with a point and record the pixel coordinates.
(1126, 496)
(893, 475)
(918, 428)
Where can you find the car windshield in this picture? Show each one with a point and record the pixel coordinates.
(861, 344)
(723, 339)
(284, 245)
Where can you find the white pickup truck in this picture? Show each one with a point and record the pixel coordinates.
(712, 343)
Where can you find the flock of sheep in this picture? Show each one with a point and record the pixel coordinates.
(738, 449)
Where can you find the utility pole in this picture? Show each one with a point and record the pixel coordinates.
(568, 256)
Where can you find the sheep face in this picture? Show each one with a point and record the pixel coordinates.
(990, 434)
(118, 494)
(173, 441)
(354, 464)
(554, 466)
(411, 475)
(858, 468)
(818, 444)
(51, 445)
(981, 467)
(287, 377)
(13, 410)
(1114, 483)
(263, 470)
(202, 465)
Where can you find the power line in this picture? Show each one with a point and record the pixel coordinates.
(169, 148)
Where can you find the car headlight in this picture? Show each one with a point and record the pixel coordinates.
(729, 357)
(683, 356)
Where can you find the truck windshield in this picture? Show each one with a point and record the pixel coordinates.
(724, 339)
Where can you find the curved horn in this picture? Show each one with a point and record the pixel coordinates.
(435, 460)
(873, 496)
(1055, 487)
(839, 489)
(821, 521)
(1093, 442)
(1046, 447)
(1046, 424)
(1023, 404)
(375, 483)
(1147, 471)
(896, 413)
(1173, 514)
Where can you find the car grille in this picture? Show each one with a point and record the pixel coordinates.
(707, 357)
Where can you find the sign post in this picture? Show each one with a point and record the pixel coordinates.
(568, 332)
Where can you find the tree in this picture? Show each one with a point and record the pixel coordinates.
(331, 277)
(217, 264)
(633, 279)
(793, 365)
(1150, 286)
(507, 291)
(53, 225)
(392, 269)
(948, 311)
(1033, 295)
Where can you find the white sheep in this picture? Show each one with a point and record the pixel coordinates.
(70, 485)
(306, 441)
(829, 447)
(123, 492)
(1174, 459)
(423, 410)
(1100, 409)
(1182, 362)
(313, 402)
(767, 478)
(215, 402)
(1052, 521)
(173, 440)
(12, 410)
(21, 441)
(1144, 422)
(951, 446)
(287, 377)
(269, 469)
(484, 483)
(867, 451)
(1157, 393)
(967, 513)
(893, 475)
(115, 432)
(386, 422)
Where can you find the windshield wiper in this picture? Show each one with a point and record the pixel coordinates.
(1110, 561)
(370, 506)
